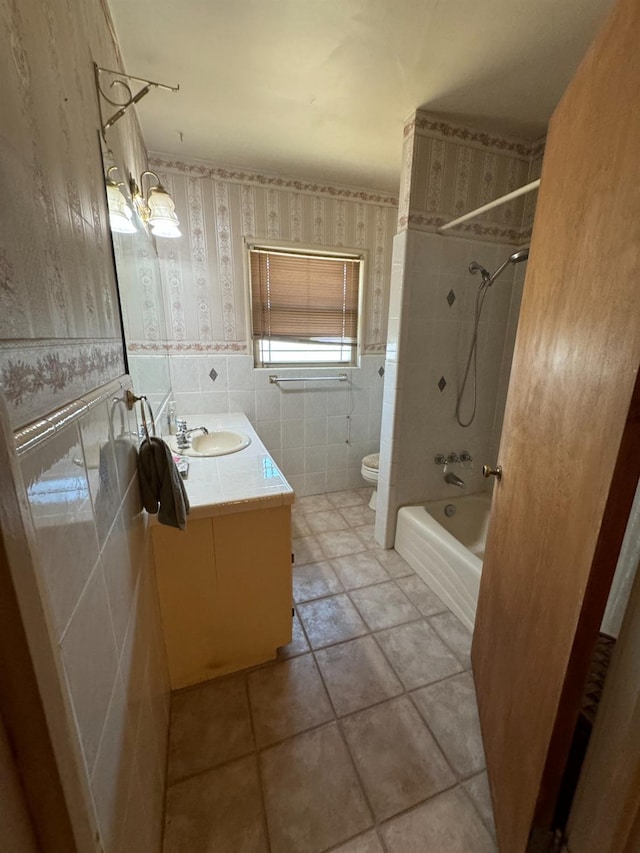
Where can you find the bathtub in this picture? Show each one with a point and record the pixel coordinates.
(447, 552)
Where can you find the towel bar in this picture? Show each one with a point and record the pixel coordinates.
(273, 379)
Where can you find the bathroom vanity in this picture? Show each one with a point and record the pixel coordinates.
(225, 583)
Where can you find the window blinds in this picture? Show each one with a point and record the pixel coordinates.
(308, 298)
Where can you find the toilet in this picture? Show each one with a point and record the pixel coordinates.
(369, 473)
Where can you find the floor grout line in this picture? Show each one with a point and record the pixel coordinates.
(265, 822)
(337, 720)
(490, 829)
(205, 770)
(354, 767)
(337, 717)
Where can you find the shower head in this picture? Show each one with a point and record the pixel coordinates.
(488, 278)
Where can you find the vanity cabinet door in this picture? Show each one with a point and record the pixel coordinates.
(225, 589)
(254, 585)
(186, 577)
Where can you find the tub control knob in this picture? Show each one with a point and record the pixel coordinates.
(487, 471)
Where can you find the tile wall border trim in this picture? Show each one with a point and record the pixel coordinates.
(35, 433)
(206, 169)
(33, 373)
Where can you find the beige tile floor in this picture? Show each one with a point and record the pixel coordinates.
(362, 737)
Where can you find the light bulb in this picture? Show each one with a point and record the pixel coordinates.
(120, 214)
(162, 216)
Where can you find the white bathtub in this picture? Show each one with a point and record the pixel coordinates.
(447, 552)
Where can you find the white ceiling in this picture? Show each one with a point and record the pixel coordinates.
(319, 89)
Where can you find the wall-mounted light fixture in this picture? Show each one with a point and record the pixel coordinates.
(157, 209)
(120, 84)
(120, 214)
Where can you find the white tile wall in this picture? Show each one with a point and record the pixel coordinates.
(97, 583)
(60, 293)
(66, 531)
(317, 431)
(90, 661)
(428, 339)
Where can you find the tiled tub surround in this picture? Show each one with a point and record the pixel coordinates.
(91, 553)
(317, 432)
(428, 345)
(363, 737)
(448, 170)
(225, 582)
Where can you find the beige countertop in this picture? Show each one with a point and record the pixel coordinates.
(238, 482)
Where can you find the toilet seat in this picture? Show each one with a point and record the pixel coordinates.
(371, 464)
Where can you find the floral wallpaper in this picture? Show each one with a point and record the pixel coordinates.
(59, 324)
(450, 169)
(204, 274)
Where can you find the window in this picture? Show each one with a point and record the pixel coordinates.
(304, 306)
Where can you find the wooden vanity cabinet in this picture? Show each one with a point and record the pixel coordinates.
(225, 589)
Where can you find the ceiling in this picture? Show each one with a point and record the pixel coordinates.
(319, 89)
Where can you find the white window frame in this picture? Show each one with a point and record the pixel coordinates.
(307, 249)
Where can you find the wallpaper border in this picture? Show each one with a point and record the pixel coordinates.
(187, 346)
(202, 169)
(426, 124)
(199, 347)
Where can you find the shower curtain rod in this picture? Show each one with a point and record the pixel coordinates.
(527, 188)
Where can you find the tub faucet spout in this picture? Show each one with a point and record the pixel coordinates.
(453, 479)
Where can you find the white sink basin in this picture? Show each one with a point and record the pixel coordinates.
(217, 443)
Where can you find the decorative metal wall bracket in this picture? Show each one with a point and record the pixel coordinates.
(120, 80)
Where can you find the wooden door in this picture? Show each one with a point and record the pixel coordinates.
(570, 450)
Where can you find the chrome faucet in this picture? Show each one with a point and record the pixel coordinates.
(183, 438)
(453, 479)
